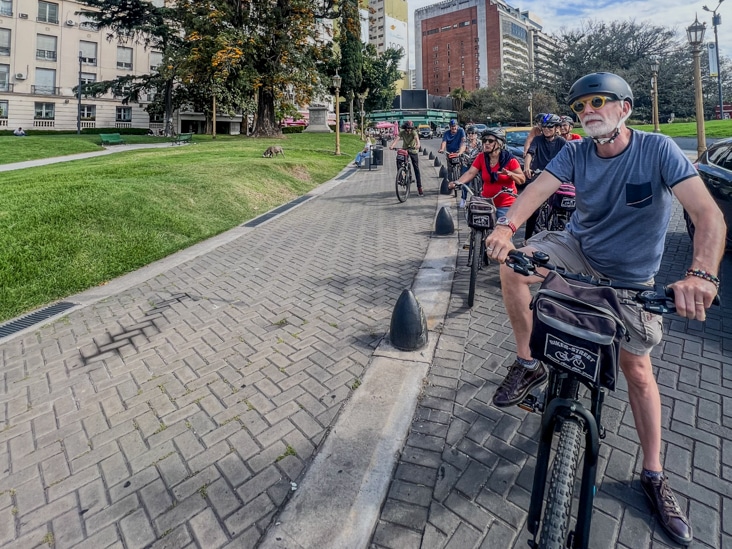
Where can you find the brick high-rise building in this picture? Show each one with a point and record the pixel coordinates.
(472, 44)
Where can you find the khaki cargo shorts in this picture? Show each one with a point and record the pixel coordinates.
(645, 329)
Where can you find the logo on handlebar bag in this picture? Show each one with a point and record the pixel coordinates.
(577, 359)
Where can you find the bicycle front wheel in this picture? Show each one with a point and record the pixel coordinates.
(542, 219)
(557, 512)
(475, 260)
(402, 184)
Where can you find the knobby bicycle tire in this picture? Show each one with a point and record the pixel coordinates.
(558, 508)
(476, 257)
(542, 219)
(402, 184)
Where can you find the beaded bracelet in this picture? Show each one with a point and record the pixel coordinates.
(703, 274)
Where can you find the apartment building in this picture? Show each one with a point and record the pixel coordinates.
(472, 44)
(388, 28)
(46, 48)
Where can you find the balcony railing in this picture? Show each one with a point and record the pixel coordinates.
(45, 19)
(44, 123)
(45, 90)
(124, 65)
(6, 87)
(88, 124)
(123, 124)
(49, 55)
(4, 50)
(3, 122)
(88, 25)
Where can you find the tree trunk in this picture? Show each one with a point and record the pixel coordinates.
(350, 113)
(168, 117)
(266, 126)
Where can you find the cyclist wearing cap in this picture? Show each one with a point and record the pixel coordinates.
(410, 141)
(565, 129)
(543, 148)
(454, 140)
(498, 168)
(626, 181)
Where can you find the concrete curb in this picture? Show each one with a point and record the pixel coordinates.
(338, 501)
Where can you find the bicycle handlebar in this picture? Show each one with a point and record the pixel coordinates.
(658, 299)
(504, 190)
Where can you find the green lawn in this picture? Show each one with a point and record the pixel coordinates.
(712, 128)
(70, 226)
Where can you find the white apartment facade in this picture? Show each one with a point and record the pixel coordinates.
(45, 49)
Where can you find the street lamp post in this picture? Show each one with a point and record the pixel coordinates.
(337, 85)
(695, 34)
(655, 65)
(716, 21)
(78, 98)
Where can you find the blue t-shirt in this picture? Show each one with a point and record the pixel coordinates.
(623, 203)
(453, 141)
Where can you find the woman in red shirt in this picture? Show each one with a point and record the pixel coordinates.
(498, 168)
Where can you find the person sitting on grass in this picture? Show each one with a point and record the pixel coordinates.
(20, 132)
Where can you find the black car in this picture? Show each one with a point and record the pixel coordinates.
(425, 131)
(515, 144)
(715, 168)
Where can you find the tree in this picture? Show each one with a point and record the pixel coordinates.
(459, 95)
(349, 40)
(380, 74)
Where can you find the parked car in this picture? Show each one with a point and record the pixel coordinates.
(715, 168)
(440, 131)
(515, 139)
(424, 131)
(480, 128)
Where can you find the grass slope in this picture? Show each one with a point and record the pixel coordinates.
(67, 227)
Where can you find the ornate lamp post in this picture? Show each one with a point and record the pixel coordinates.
(362, 99)
(655, 65)
(716, 21)
(695, 34)
(337, 85)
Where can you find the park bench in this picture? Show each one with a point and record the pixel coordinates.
(111, 139)
(182, 138)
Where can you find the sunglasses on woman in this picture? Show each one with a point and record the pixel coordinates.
(596, 102)
(489, 140)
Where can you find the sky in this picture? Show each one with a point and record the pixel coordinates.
(556, 15)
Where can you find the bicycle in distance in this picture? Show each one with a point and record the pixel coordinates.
(454, 166)
(404, 177)
(576, 331)
(480, 213)
(555, 213)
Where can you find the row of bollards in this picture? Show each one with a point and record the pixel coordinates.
(408, 329)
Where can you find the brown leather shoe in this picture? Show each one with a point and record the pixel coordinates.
(664, 503)
(519, 381)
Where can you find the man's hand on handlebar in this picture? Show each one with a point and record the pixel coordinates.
(693, 296)
(498, 243)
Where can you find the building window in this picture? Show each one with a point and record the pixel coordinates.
(45, 111)
(4, 78)
(88, 112)
(88, 52)
(47, 12)
(124, 114)
(4, 109)
(88, 77)
(124, 58)
(6, 8)
(4, 41)
(46, 49)
(45, 81)
(156, 59)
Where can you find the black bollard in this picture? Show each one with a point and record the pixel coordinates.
(408, 331)
(443, 223)
(437, 162)
(443, 186)
(424, 152)
(432, 156)
(443, 172)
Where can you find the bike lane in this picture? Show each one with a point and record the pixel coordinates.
(465, 474)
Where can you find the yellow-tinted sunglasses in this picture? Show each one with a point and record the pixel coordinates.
(596, 102)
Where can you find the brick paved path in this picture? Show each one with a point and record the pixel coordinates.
(178, 413)
(465, 475)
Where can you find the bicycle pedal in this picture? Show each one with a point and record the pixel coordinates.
(533, 402)
(466, 246)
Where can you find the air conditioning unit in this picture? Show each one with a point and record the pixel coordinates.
(70, 23)
(23, 15)
(20, 76)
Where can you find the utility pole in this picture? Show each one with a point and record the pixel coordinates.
(78, 104)
(716, 21)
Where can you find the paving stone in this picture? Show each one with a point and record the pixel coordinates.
(136, 530)
(207, 530)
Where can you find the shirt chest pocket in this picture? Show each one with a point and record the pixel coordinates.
(638, 195)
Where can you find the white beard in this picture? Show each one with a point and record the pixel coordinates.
(597, 127)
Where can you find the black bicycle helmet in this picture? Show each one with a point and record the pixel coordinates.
(494, 132)
(566, 120)
(539, 117)
(408, 125)
(604, 83)
(550, 120)
(470, 129)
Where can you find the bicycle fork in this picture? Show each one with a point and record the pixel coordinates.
(557, 408)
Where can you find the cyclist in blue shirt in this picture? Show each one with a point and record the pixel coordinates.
(453, 141)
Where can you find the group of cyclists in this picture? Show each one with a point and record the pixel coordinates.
(625, 180)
